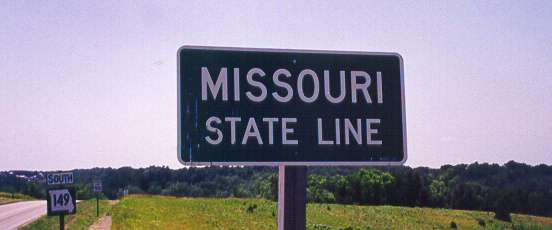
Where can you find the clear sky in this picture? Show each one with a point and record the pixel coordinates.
(93, 83)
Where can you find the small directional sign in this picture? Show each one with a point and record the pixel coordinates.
(97, 186)
(61, 201)
(60, 178)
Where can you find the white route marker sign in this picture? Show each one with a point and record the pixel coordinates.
(61, 201)
(97, 186)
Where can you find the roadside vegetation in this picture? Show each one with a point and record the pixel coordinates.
(6, 198)
(165, 212)
(86, 216)
(501, 189)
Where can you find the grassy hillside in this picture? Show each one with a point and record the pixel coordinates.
(161, 212)
(86, 216)
(6, 198)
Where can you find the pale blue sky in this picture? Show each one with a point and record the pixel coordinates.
(88, 83)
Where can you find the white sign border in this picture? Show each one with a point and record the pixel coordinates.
(292, 163)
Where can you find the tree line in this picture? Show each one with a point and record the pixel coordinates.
(512, 187)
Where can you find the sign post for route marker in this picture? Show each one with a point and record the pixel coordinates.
(97, 189)
(292, 109)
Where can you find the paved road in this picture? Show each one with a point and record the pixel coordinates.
(17, 214)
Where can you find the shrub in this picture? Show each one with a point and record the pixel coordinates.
(503, 215)
(481, 222)
(251, 208)
(503, 207)
(453, 225)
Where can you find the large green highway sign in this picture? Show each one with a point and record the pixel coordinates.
(295, 107)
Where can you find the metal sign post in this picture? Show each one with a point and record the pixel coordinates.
(97, 189)
(97, 205)
(292, 197)
(61, 222)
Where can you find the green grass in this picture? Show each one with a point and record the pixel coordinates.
(162, 212)
(86, 216)
(6, 198)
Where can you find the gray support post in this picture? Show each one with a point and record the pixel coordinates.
(292, 197)
(97, 205)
